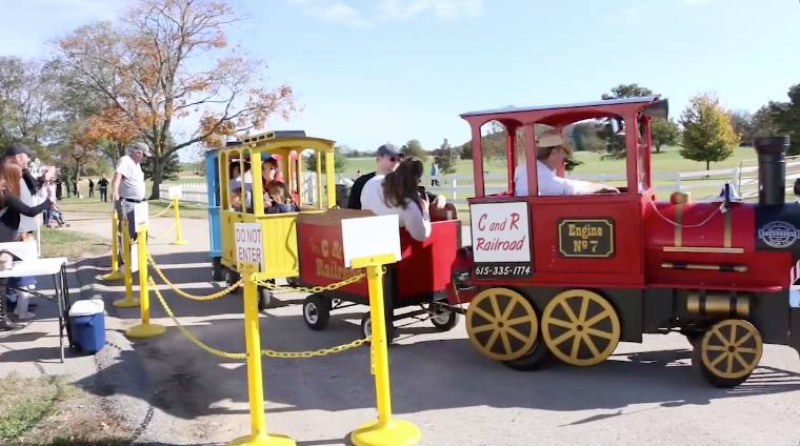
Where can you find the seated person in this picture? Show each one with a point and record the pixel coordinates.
(236, 185)
(399, 193)
(552, 151)
(277, 200)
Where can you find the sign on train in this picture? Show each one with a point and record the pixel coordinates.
(175, 192)
(501, 239)
(370, 236)
(249, 245)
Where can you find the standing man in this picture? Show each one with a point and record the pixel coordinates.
(128, 187)
(91, 188)
(102, 183)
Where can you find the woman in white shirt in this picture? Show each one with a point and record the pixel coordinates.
(399, 193)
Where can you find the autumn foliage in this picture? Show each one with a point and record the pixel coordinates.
(166, 61)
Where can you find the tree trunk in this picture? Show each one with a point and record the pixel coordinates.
(155, 194)
(658, 148)
(708, 165)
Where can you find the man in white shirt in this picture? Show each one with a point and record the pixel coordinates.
(128, 188)
(552, 151)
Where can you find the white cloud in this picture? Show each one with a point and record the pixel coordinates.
(389, 10)
(446, 9)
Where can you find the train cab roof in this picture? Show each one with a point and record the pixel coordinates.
(564, 114)
(280, 140)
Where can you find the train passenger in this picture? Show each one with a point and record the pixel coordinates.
(388, 158)
(386, 161)
(279, 200)
(552, 151)
(400, 193)
(239, 182)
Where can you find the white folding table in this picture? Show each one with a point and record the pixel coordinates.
(56, 268)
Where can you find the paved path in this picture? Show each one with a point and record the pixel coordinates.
(645, 394)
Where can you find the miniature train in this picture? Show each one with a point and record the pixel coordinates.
(567, 276)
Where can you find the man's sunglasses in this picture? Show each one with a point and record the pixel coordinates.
(396, 159)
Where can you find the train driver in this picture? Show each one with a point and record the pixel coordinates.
(399, 193)
(552, 151)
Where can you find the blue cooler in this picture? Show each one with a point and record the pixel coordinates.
(88, 325)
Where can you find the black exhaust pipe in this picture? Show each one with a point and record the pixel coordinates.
(771, 168)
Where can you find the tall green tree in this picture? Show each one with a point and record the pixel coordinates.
(446, 157)
(786, 117)
(615, 143)
(708, 135)
(339, 161)
(27, 97)
(414, 148)
(664, 132)
(743, 124)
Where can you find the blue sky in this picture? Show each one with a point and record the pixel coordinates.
(367, 72)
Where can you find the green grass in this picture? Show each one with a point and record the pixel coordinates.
(71, 244)
(25, 402)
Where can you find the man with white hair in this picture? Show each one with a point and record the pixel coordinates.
(128, 187)
(552, 151)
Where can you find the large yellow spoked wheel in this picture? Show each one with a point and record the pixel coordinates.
(580, 327)
(730, 351)
(502, 324)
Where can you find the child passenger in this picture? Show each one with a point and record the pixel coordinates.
(278, 200)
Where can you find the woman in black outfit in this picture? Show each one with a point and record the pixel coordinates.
(11, 207)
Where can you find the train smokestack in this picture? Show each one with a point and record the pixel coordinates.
(771, 168)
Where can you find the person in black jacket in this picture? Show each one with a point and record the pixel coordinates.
(387, 160)
(11, 207)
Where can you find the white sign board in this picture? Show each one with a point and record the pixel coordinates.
(141, 214)
(175, 192)
(370, 236)
(249, 244)
(501, 239)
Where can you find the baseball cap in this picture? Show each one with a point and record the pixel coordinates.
(17, 149)
(389, 150)
(142, 147)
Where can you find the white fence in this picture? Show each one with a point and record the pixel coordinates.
(457, 188)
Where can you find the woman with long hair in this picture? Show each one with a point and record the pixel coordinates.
(11, 207)
(399, 193)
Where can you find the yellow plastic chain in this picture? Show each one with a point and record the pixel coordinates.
(266, 352)
(161, 214)
(311, 290)
(180, 292)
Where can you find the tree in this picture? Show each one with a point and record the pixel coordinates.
(615, 143)
(27, 93)
(585, 137)
(708, 135)
(786, 117)
(664, 131)
(339, 161)
(446, 157)
(414, 148)
(764, 123)
(147, 68)
(743, 124)
(170, 167)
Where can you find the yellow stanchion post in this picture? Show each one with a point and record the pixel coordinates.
(386, 431)
(115, 273)
(178, 230)
(145, 329)
(128, 301)
(258, 424)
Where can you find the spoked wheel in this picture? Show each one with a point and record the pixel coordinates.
(231, 277)
(580, 327)
(443, 318)
(316, 311)
(366, 328)
(730, 351)
(502, 324)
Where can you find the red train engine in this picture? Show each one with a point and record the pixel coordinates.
(572, 276)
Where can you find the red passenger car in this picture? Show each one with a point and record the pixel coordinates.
(422, 278)
(572, 276)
